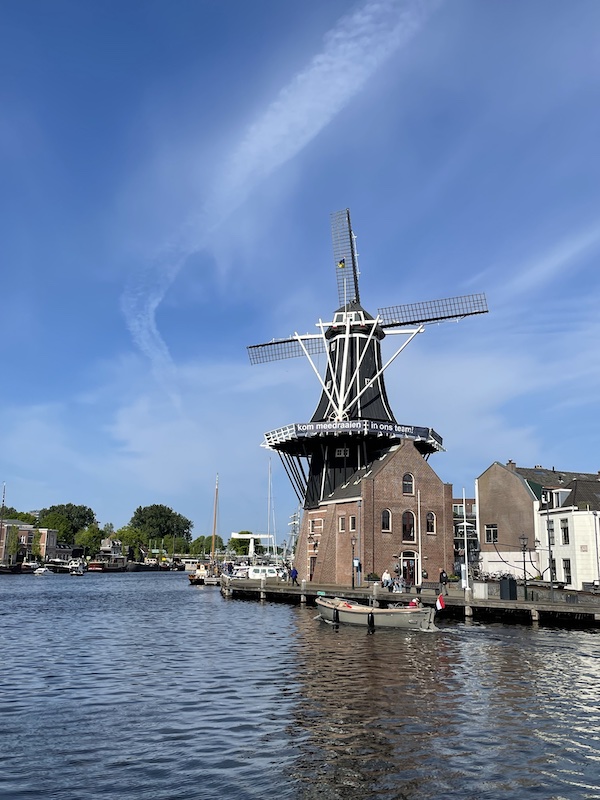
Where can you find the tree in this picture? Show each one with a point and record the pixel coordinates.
(240, 546)
(158, 522)
(12, 540)
(74, 519)
(36, 549)
(133, 539)
(57, 522)
(198, 546)
(11, 513)
(90, 539)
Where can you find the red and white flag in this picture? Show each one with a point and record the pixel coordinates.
(439, 603)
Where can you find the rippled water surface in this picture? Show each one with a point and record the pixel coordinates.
(141, 686)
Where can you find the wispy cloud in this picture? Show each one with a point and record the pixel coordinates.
(352, 52)
(535, 273)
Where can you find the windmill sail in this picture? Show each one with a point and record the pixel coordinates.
(344, 257)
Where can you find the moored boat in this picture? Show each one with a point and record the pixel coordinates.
(113, 564)
(76, 567)
(338, 610)
(198, 577)
(42, 571)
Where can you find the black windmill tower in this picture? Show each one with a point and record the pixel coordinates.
(353, 423)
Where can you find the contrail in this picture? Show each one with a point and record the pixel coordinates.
(352, 52)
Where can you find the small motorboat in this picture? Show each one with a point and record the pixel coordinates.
(76, 567)
(42, 571)
(337, 610)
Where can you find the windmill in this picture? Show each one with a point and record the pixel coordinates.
(353, 423)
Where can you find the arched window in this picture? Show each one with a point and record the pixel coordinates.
(408, 526)
(430, 521)
(386, 520)
(408, 484)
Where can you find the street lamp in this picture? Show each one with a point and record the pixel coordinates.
(523, 539)
(353, 543)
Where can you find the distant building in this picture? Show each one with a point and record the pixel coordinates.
(464, 520)
(48, 541)
(546, 518)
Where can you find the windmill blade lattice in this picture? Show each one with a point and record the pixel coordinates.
(344, 256)
(433, 311)
(279, 349)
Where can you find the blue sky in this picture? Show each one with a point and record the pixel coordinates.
(168, 171)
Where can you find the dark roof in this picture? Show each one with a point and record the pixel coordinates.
(584, 494)
(351, 490)
(554, 478)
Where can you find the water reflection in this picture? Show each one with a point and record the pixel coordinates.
(472, 711)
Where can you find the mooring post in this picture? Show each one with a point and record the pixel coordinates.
(303, 591)
(375, 593)
(468, 606)
(263, 594)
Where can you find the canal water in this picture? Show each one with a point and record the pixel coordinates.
(140, 686)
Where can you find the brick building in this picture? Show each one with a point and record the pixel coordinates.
(26, 536)
(539, 522)
(397, 511)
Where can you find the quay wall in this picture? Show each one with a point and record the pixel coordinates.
(544, 605)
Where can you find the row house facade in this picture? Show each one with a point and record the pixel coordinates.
(394, 514)
(539, 523)
(26, 536)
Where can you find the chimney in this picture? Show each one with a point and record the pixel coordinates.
(512, 466)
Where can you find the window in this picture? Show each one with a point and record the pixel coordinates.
(564, 529)
(550, 532)
(457, 510)
(430, 522)
(352, 522)
(408, 526)
(552, 569)
(342, 452)
(408, 484)
(386, 520)
(342, 524)
(567, 569)
(316, 525)
(491, 534)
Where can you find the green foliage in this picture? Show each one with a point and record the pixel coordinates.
(57, 522)
(239, 546)
(198, 546)
(132, 538)
(67, 519)
(89, 538)
(158, 522)
(203, 544)
(11, 513)
(12, 540)
(36, 550)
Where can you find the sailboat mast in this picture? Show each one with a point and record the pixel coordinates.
(214, 530)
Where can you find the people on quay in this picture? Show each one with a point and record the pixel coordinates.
(386, 580)
(443, 582)
(294, 576)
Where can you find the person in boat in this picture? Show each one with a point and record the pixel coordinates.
(415, 603)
